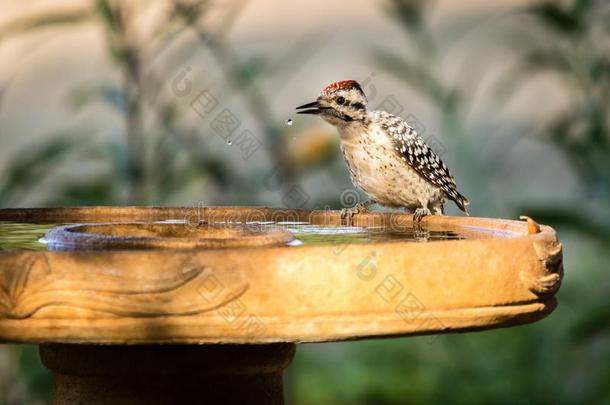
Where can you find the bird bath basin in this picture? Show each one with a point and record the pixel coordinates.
(170, 305)
(164, 236)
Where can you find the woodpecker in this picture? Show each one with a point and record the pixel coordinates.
(385, 156)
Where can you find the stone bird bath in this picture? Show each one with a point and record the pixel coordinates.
(142, 311)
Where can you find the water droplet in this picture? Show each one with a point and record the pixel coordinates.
(289, 122)
(229, 142)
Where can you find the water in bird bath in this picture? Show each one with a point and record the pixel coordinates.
(308, 234)
(30, 236)
(23, 236)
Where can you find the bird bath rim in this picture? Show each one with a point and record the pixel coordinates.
(257, 295)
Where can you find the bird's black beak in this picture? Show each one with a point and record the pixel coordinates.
(310, 108)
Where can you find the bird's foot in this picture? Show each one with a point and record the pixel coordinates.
(419, 214)
(360, 208)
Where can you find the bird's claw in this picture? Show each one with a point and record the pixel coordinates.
(419, 214)
(348, 213)
(361, 207)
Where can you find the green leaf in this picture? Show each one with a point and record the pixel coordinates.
(189, 12)
(555, 17)
(410, 13)
(109, 15)
(94, 191)
(247, 72)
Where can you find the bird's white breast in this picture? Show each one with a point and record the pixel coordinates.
(380, 172)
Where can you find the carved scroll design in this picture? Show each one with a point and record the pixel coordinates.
(548, 281)
(182, 287)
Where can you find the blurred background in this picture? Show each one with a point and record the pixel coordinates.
(185, 102)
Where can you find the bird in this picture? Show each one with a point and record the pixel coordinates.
(386, 157)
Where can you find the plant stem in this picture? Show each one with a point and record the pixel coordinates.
(133, 125)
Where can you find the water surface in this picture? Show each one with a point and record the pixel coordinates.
(23, 236)
(29, 236)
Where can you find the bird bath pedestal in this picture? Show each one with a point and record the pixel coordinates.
(172, 313)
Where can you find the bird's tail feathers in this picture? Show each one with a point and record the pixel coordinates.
(462, 203)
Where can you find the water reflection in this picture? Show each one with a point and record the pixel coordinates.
(27, 236)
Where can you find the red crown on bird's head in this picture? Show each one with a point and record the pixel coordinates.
(342, 85)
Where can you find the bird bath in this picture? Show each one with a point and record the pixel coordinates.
(170, 305)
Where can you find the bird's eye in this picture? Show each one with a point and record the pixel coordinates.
(340, 100)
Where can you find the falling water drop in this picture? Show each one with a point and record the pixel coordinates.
(229, 142)
(289, 121)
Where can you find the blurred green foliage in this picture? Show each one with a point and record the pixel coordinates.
(154, 159)
(569, 40)
(565, 359)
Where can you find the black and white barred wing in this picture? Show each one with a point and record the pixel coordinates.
(414, 151)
